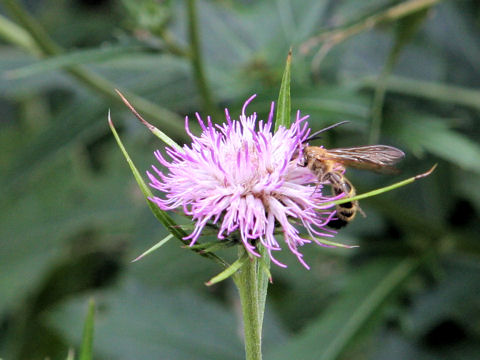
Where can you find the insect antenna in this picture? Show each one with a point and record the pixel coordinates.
(316, 134)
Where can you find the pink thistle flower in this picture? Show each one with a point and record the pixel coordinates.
(245, 179)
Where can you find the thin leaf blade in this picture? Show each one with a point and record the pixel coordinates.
(86, 351)
(78, 57)
(231, 270)
(384, 189)
(284, 102)
(154, 247)
(157, 132)
(161, 215)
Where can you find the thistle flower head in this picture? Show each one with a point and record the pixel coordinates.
(246, 181)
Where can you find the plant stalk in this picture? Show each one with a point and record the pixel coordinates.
(247, 280)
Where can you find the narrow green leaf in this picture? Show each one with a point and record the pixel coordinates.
(384, 189)
(205, 245)
(154, 247)
(334, 243)
(12, 33)
(72, 58)
(70, 355)
(207, 231)
(264, 278)
(161, 215)
(211, 246)
(86, 351)
(283, 104)
(158, 133)
(443, 93)
(232, 269)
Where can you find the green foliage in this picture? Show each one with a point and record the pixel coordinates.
(284, 108)
(361, 300)
(86, 351)
(72, 217)
(169, 324)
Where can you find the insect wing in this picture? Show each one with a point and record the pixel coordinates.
(379, 158)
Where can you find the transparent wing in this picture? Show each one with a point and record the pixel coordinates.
(379, 158)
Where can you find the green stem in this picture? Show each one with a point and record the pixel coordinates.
(379, 96)
(45, 46)
(382, 190)
(406, 28)
(432, 91)
(248, 280)
(197, 59)
(397, 11)
(14, 34)
(171, 45)
(36, 31)
(377, 106)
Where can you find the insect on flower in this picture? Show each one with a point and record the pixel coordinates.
(244, 180)
(329, 166)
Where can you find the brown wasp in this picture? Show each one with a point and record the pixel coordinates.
(329, 166)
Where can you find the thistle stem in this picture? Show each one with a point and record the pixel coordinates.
(248, 283)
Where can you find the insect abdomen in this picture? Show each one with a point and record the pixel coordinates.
(345, 212)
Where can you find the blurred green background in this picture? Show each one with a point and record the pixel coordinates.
(71, 215)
